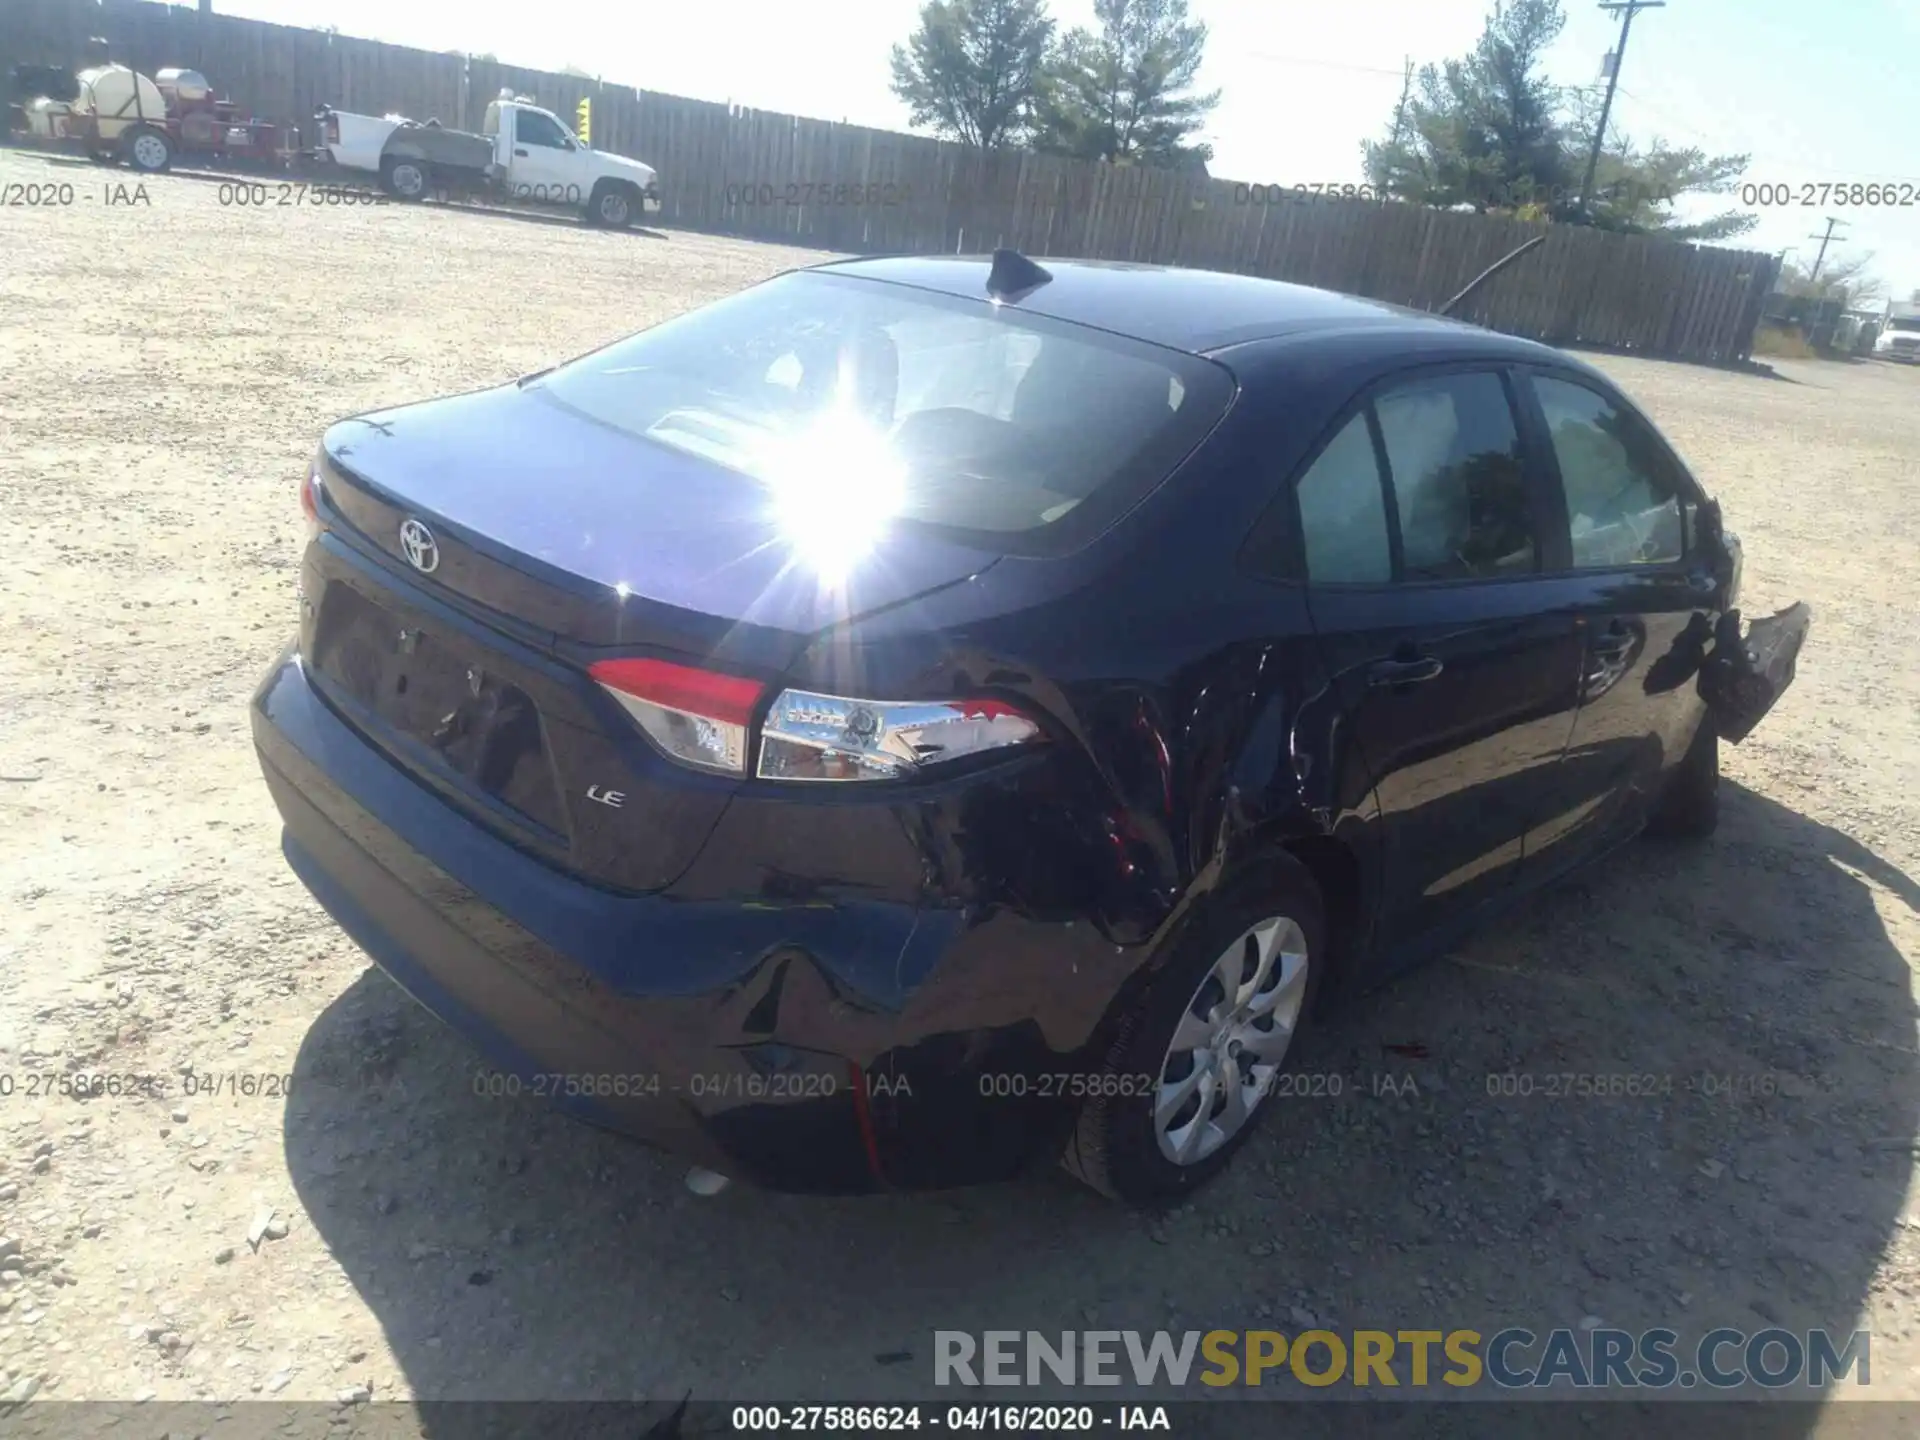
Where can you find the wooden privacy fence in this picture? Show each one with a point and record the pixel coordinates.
(848, 188)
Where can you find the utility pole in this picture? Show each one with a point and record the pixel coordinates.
(1626, 9)
(1400, 114)
(1821, 257)
(1400, 111)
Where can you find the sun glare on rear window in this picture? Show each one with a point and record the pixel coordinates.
(857, 403)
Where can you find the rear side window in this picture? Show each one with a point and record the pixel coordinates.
(1343, 511)
(1008, 430)
(1458, 481)
(1623, 499)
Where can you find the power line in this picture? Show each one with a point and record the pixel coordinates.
(1776, 161)
(1321, 64)
(1686, 131)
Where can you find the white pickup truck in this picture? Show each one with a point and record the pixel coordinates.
(523, 155)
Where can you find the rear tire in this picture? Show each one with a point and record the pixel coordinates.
(612, 205)
(404, 178)
(1690, 808)
(146, 149)
(1179, 1054)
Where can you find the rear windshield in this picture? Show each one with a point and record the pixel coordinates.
(1004, 429)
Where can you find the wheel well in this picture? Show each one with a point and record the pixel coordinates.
(1333, 867)
(1336, 870)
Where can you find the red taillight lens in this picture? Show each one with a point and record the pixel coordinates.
(703, 718)
(310, 500)
(696, 716)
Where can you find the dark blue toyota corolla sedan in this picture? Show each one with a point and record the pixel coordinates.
(917, 718)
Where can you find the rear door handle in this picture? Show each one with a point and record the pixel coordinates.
(521, 153)
(1403, 672)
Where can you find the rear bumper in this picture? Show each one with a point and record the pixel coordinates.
(749, 1047)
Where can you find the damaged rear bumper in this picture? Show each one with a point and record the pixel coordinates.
(1747, 672)
(723, 1031)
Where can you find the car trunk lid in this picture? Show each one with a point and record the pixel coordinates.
(606, 539)
(485, 550)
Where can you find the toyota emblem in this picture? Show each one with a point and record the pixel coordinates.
(419, 546)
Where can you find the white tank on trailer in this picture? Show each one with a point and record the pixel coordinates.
(118, 97)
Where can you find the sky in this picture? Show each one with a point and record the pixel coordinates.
(1813, 97)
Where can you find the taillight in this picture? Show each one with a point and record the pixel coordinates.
(703, 719)
(831, 737)
(309, 500)
(696, 716)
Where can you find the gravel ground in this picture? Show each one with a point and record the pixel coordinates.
(164, 370)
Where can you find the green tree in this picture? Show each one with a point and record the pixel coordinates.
(974, 69)
(1483, 130)
(1488, 131)
(1634, 189)
(1124, 92)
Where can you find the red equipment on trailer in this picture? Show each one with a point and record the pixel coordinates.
(211, 125)
(117, 114)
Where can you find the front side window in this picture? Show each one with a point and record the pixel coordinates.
(1458, 481)
(1623, 502)
(532, 128)
(833, 391)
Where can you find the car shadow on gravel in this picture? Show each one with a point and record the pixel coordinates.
(1446, 1167)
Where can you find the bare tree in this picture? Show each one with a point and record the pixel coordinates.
(1843, 278)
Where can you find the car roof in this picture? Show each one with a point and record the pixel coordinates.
(1198, 311)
